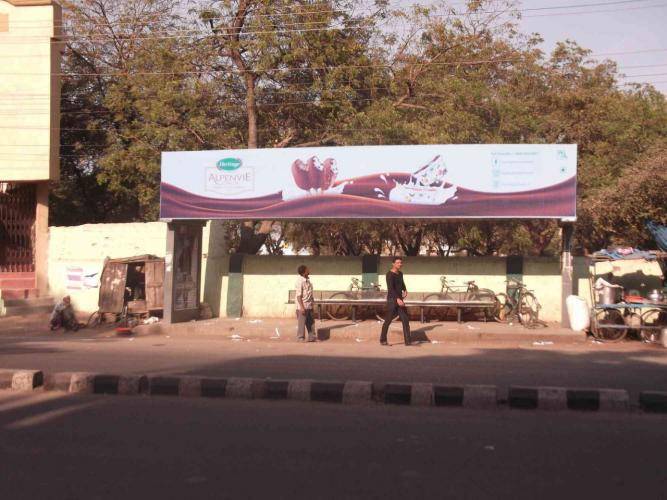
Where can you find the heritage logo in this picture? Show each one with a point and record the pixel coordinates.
(229, 164)
(229, 177)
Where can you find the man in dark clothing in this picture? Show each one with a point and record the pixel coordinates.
(396, 292)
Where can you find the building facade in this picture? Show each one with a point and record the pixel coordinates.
(30, 53)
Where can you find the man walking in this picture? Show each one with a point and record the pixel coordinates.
(304, 305)
(396, 293)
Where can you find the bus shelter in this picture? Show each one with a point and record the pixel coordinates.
(421, 182)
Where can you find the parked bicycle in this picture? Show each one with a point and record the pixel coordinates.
(518, 303)
(460, 293)
(344, 311)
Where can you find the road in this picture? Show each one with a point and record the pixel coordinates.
(89, 447)
(632, 365)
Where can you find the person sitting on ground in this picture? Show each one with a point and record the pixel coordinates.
(63, 315)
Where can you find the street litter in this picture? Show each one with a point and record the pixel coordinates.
(359, 340)
(543, 342)
(469, 327)
(434, 342)
(151, 320)
(255, 321)
(276, 336)
(236, 337)
(131, 339)
(237, 319)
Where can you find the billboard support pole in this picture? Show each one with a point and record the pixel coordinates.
(566, 269)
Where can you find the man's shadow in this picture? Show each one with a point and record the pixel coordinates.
(419, 335)
(324, 332)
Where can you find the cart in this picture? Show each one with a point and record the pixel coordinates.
(612, 322)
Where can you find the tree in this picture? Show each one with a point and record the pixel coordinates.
(616, 214)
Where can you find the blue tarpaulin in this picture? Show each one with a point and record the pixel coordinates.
(659, 232)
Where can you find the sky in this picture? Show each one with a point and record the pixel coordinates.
(622, 30)
(602, 26)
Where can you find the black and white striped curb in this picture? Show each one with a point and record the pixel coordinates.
(348, 392)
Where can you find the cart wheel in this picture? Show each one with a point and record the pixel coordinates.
(434, 313)
(339, 311)
(607, 323)
(94, 320)
(653, 318)
(503, 310)
(529, 309)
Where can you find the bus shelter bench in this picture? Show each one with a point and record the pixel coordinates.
(379, 298)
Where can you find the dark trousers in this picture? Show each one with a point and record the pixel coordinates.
(392, 310)
(305, 322)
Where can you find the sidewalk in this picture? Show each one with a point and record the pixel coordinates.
(240, 348)
(368, 330)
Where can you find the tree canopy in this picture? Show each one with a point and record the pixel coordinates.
(146, 76)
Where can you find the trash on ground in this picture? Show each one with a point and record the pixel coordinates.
(276, 336)
(543, 342)
(255, 321)
(435, 341)
(151, 320)
(470, 327)
(236, 337)
(360, 340)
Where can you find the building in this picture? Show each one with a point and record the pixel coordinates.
(30, 53)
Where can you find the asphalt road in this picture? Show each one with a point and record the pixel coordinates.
(57, 446)
(632, 365)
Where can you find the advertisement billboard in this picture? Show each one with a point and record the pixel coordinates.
(477, 181)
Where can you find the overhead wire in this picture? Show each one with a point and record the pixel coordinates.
(107, 36)
(308, 12)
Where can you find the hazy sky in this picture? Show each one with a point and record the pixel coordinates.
(640, 25)
(618, 26)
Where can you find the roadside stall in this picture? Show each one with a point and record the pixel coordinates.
(130, 287)
(627, 295)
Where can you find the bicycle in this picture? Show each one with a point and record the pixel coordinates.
(343, 311)
(518, 303)
(459, 293)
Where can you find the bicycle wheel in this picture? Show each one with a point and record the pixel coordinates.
(529, 309)
(652, 318)
(504, 308)
(381, 313)
(339, 311)
(608, 325)
(436, 313)
(486, 295)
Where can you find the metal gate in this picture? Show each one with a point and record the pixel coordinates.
(17, 227)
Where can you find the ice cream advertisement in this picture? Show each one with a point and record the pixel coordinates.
(429, 181)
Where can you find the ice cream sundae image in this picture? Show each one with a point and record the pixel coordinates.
(427, 186)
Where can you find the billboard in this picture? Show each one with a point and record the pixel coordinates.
(478, 181)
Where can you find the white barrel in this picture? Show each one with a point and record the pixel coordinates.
(577, 312)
